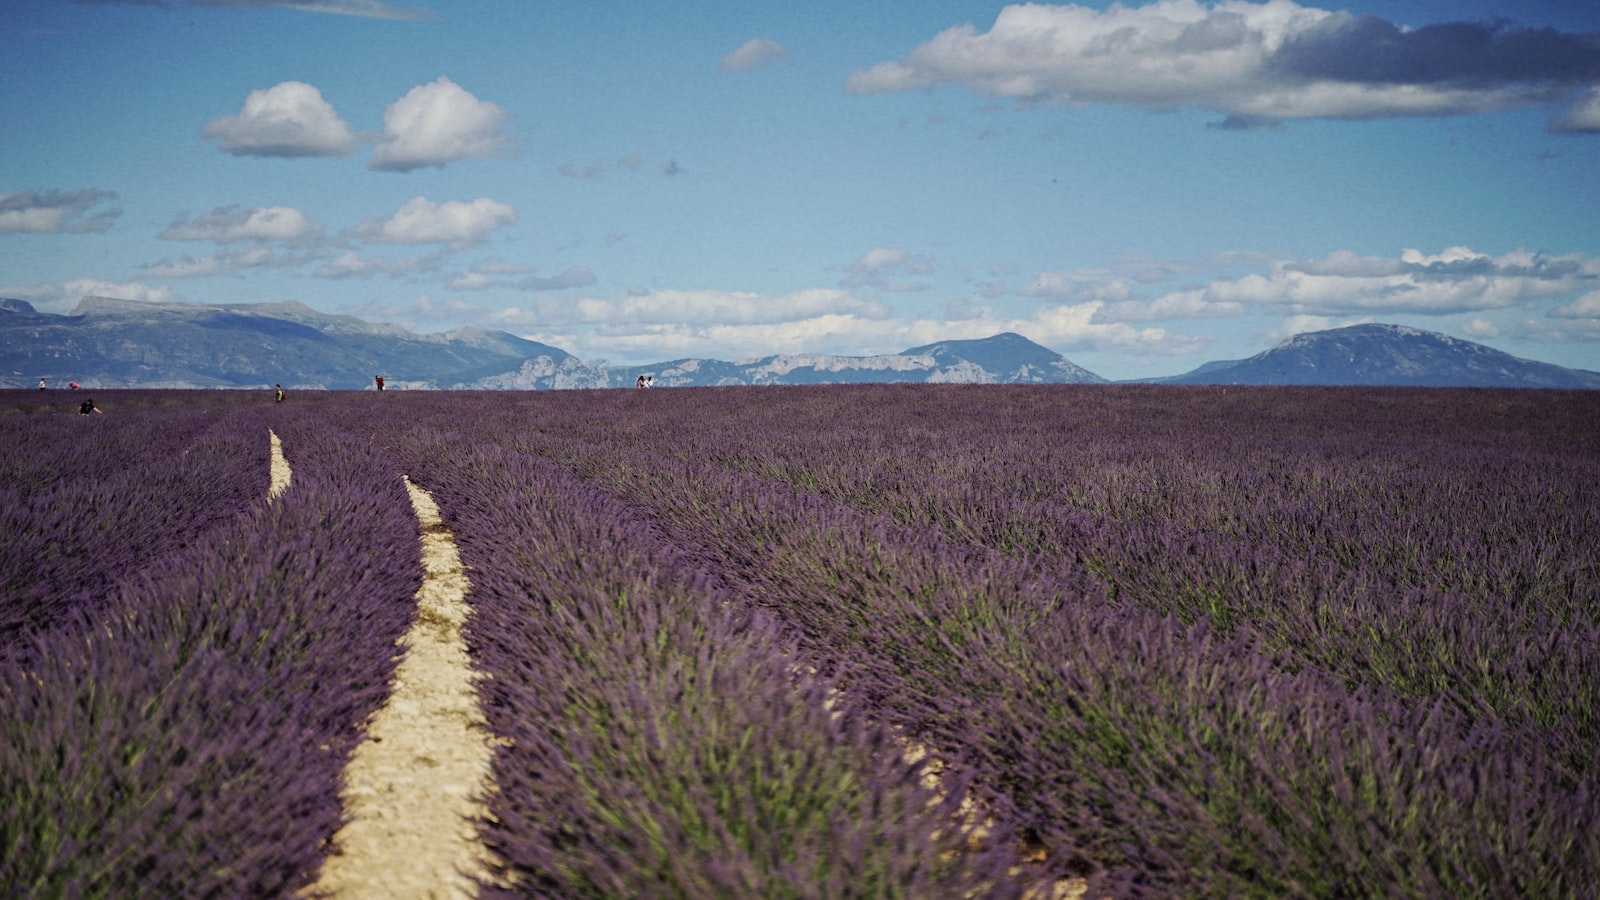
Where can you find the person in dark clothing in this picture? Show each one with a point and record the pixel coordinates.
(88, 407)
(378, 379)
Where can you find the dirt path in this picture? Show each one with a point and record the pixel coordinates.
(415, 786)
(280, 468)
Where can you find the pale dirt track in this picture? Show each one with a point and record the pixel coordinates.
(415, 786)
(280, 468)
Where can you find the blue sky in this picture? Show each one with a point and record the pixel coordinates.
(1140, 187)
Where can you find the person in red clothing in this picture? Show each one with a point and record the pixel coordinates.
(379, 380)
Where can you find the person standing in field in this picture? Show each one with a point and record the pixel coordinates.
(41, 384)
(378, 379)
(279, 398)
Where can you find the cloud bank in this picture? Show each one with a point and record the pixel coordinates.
(1456, 280)
(55, 211)
(1252, 62)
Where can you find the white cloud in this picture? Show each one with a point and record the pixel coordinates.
(1568, 331)
(53, 211)
(216, 264)
(712, 308)
(1585, 307)
(1455, 280)
(227, 224)
(658, 325)
(439, 123)
(1583, 117)
(1187, 304)
(880, 258)
(353, 265)
(1294, 325)
(289, 119)
(1254, 62)
(753, 54)
(421, 221)
(61, 297)
(877, 267)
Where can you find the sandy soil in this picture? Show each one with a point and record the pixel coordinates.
(280, 468)
(415, 786)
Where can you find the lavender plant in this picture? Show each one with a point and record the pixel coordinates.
(187, 737)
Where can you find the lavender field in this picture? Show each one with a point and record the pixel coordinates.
(1316, 642)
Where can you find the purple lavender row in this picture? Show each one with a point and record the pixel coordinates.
(86, 503)
(191, 742)
(662, 738)
(1395, 794)
(1426, 542)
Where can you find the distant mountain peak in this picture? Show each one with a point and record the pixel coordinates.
(1382, 354)
(1006, 357)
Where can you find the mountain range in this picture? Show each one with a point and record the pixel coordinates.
(123, 343)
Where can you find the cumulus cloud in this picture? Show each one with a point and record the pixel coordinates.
(421, 221)
(1256, 63)
(439, 123)
(370, 9)
(290, 119)
(54, 211)
(753, 54)
(228, 224)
